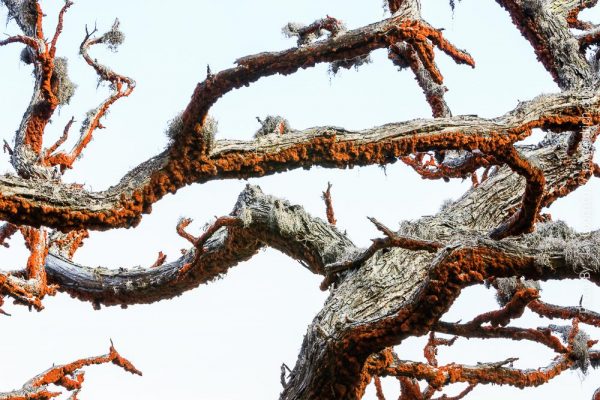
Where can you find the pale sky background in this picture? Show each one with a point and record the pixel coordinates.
(227, 339)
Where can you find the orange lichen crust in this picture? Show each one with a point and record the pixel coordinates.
(452, 272)
(573, 15)
(553, 311)
(513, 309)
(185, 165)
(68, 376)
(329, 205)
(484, 373)
(431, 169)
(70, 242)
(160, 260)
(45, 56)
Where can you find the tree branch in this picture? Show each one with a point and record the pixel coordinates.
(67, 376)
(257, 220)
(62, 206)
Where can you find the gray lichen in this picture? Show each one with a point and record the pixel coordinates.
(114, 37)
(355, 63)
(26, 56)
(208, 132)
(445, 204)
(89, 117)
(24, 13)
(175, 127)
(506, 288)
(305, 36)
(581, 252)
(584, 254)
(65, 88)
(580, 345)
(272, 124)
(293, 29)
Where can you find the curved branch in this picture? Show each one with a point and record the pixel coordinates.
(546, 27)
(66, 207)
(257, 220)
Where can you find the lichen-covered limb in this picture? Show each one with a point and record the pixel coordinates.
(67, 207)
(418, 55)
(456, 167)
(485, 373)
(121, 86)
(545, 24)
(402, 55)
(513, 309)
(51, 89)
(68, 376)
(415, 294)
(26, 40)
(342, 46)
(30, 285)
(257, 220)
(48, 152)
(524, 219)
(551, 311)
(541, 336)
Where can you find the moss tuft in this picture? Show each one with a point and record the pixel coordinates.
(113, 38)
(272, 124)
(355, 63)
(64, 87)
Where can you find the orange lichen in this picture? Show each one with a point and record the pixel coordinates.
(71, 242)
(6, 231)
(553, 311)
(329, 205)
(36, 241)
(48, 152)
(513, 309)
(160, 260)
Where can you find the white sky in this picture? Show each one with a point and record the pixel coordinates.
(227, 339)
